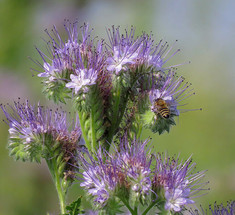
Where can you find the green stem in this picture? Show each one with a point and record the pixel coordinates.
(61, 194)
(52, 165)
(136, 210)
(165, 212)
(139, 128)
(128, 206)
(139, 132)
(149, 207)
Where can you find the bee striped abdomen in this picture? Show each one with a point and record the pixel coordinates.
(164, 112)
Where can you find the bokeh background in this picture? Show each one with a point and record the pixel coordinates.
(205, 31)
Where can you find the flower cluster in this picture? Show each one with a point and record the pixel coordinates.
(35, 128)
(127, 71)
(132, 173)
(74, 64)
(83, 59)
(117, 88)
(217, 210)
(129, 52)
(177, 180)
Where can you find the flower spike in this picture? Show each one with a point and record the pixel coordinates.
(71, 64)
(34, 128)
(124, 50)
(155, 56)
(229, 209)
(175, 182)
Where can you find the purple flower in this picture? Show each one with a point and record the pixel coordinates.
(71, 56)
(62, 54)
(126, 169)
(176, 181)
(217, 210)
(172, 90)
(83, 79)
(155, 55)
(177, 198)
(135, 160)
(101, 177)
(31, 127)
(124, 50)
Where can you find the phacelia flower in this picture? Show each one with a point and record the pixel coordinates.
(155, 55)
(124, 50)
(64, 54)
(83, 79)
(135, 160)
(101, 177)
(73, 63)
(126, 170)
(217, 210)
(33, 128)
(175, 182)
(170, 90)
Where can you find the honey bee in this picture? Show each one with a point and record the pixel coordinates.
(161, 108)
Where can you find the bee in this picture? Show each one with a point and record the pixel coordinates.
(161, 108)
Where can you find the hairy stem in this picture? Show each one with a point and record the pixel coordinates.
(149, 207)
(128, 206)
(52, 165)
(61, 194)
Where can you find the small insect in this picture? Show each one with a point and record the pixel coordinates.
(161, 108)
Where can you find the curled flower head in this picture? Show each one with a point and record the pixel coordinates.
(88, 72)
(168, 92)
(101, 177)
(125, 173)
(74, 63)
(124, 50)
(175, 182)
(155, 55)
(135, 160)
(33, 128)
(216, 210)
(63, 55)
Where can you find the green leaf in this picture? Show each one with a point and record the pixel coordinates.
(156, 123)
(113, 207)
(75, 207)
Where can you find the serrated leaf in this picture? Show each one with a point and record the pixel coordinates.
(75, 207)
(113, 207)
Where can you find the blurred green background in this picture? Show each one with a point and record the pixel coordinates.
(205, 31)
